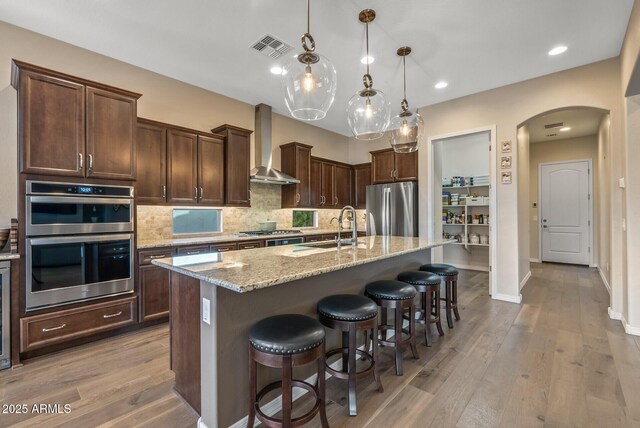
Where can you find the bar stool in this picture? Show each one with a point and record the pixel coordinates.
(286, 341)
(450, 276)
(396, 295)
(351, 313)
(428, 285)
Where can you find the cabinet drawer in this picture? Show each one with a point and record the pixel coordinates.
(250, 244)
(220, 248)
(145, 257)
(56, 327)
(315, 238)
(329, 237)
(196, 249)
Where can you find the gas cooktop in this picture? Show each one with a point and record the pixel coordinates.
(273, 232)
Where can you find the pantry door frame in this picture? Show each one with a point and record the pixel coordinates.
(591, 198)
(434, 207)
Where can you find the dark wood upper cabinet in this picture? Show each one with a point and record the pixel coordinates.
(315, 184)
(51, 125)
(73, 127)
(237, 164)
(182, 167)
(111, 128)
(382, 166)
(328, 184)
(388, 166)
(343, 174)
(361, 179)
(296, 161)
(151, 160)
(211, 170)
(406, 166)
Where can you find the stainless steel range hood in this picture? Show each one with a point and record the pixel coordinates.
(264, 173)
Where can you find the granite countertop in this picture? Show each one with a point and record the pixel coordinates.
(9, 256)
(157, 243)
(249, 270)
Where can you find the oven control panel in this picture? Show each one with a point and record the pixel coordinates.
(51, 188)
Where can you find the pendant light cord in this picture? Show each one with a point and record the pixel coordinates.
(366, 26)
(404, 74)
(308, 17)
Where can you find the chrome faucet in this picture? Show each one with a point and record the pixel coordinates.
(354, 232)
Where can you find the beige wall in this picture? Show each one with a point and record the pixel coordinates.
(630, 54)
(603, 186)
(164, 99)
(593, 85)
(557, 151)
(523, 182)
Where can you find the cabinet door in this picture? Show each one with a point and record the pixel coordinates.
(182, 171)
(296, 161)
(193, 250)
(111, 126)
(154, 292)
(51, 125)
(211, 170)
(151, 148)
(361, 179)
(316, 183)
(328, 184)
(237, 169)
(343, 185)
(382, 166)
(406, 166)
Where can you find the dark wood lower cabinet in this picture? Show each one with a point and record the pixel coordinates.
(154, 292)
(185, 337)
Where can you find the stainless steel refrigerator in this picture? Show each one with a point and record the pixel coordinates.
(392, 209)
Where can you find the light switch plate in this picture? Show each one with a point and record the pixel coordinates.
(621, 183)
(206, 310)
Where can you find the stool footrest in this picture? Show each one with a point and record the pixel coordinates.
(300, 420)
(345, 375)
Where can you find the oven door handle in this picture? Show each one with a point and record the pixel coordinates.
(78, 200)
(81, 238)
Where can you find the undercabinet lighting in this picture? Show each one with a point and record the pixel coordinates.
(565, 129)
(276, 70)
(441, 85)
(558, 50)
(367, 60)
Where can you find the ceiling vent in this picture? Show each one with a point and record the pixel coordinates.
(271, 46)
(554, 125)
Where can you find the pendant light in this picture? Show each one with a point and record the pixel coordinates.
(368, 110)
(407, 127)
(309, 81)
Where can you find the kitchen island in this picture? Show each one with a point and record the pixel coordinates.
(232, 291)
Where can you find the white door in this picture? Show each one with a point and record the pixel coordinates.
(565, 212)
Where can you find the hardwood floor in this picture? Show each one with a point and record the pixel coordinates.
(557, 360)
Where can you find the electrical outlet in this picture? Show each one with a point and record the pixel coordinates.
(206, 310)
(621, 183)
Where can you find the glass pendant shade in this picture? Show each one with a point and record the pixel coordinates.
(406, 130)
(368, 115)
(309, 88)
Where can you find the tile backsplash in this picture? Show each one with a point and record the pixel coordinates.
(155, 222)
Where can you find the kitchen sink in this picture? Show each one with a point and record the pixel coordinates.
(329, 244)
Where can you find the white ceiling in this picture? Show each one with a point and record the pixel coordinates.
(582, 121)
(474, 45)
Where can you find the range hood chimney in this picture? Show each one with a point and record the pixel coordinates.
(264, 173)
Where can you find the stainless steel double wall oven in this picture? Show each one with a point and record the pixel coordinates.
(79, 242)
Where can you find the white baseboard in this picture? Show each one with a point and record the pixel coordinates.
(524, 280)
(532, 260)
(628, 328)
(606, 283)
(614, 315)
(508, 298)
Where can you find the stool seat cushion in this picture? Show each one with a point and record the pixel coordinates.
(391, 290)
(440, 268)
(417, 277)
(348, 307)
(286, 334)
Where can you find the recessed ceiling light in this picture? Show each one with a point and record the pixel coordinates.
(367, 60)
(558, 50)
(441, 85)
(276, 70)
(565, 129)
